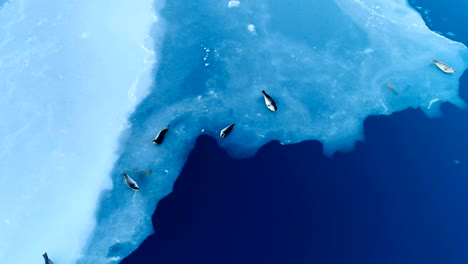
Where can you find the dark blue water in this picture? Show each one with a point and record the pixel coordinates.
(444, 17)
(400, 197)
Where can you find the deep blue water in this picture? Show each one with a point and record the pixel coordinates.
(399, 197)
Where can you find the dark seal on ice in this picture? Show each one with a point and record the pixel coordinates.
(130, 182)
(160, 136)
(47, 259)
(227, 130)
(270, 103)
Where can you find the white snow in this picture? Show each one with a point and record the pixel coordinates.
(65, 67)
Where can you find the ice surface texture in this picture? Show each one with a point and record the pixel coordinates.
(72, 70)
(70, 73)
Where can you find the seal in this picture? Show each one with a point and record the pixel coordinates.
(443, 66)
(227, 130)
(130, 182)
(270, 103)
(47, 259)
(160, 136)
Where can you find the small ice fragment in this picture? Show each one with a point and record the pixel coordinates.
(431, 102)
(166, 171)
(203, 130)
(251, 28)
(232, 4)
(206, 64)
(383, 105)
(456, 161)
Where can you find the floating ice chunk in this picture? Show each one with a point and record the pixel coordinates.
(251, 28)
(234, 3)
(335, 79)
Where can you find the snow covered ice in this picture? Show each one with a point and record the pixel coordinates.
(72, 71)
(232, 4)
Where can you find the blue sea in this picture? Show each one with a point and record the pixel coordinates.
(364, 161)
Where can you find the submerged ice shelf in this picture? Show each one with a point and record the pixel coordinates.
(73, 71)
